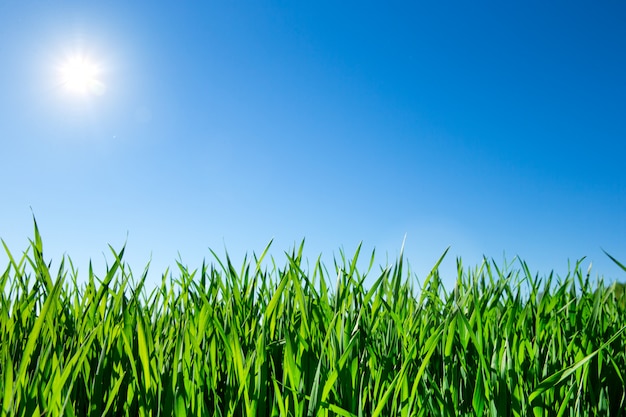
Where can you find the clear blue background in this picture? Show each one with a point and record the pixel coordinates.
(496, 128)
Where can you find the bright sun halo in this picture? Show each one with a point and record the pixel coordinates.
(80, 75)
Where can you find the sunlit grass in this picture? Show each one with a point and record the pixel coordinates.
(274, 338)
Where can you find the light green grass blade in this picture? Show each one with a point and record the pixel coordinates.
(48, 306)
(560, 376)
(7, 399)
(618, 263)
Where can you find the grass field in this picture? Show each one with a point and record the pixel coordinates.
(276, 338)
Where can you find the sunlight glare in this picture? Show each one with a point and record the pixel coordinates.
(79, 75)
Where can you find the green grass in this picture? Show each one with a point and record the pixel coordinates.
(269, 339)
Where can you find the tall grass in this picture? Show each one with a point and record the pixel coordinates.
(271, 340)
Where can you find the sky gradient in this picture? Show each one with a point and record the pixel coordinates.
(496, 129)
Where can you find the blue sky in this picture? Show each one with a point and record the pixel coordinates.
(495, 128)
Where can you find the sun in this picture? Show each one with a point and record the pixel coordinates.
(80, 75)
